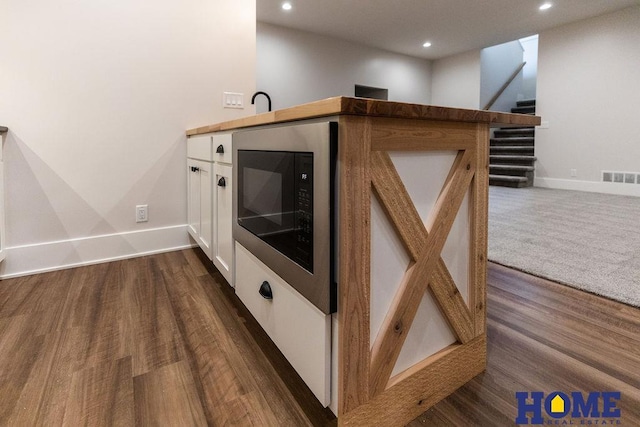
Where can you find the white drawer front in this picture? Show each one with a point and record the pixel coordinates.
(299, 329)
(222, 147)
(199, 147)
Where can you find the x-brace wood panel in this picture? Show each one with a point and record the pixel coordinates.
(426, 261)
(366, 168)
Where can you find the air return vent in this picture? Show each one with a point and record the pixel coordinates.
(621, 177)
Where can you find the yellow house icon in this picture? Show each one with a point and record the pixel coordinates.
(557, 404)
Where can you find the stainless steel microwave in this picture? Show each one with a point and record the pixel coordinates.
(283, 205)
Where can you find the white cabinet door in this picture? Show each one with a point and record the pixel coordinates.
(222, 237)
(193, 196)
(3, 252)
(199, 208)
(206, 211)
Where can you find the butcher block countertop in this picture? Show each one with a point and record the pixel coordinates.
(371, 107)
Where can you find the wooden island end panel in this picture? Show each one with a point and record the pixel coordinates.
(375, 384)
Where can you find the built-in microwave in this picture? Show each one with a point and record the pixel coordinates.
(284, 202)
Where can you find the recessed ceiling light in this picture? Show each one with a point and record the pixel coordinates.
(286, 6)
(426, 44)
(546, 6)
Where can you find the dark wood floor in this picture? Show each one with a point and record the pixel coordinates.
(161, 340)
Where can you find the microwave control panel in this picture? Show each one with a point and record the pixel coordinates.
(304, 210)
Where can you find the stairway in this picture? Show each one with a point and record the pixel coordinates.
(511, 152)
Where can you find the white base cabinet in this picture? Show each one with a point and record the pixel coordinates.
(210, 198)
(297, 327)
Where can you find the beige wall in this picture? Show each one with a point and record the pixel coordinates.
(296, 67)
(97, 96)
(456, 81)
(589, 94)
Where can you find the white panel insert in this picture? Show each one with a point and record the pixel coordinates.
(389, 261)
(423, 174)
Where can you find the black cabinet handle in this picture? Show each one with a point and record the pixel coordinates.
(265, 290)
(222, 182)
(195, 169)
(220, 149)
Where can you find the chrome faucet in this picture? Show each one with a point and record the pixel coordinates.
(253, 98)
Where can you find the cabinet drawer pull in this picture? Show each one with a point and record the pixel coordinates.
(220, 149)
(265, 290)
(222, 182)
(195, 169)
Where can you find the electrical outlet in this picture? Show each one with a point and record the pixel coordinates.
(142, 213)
(574, 173)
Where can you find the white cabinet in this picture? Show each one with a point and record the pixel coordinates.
(297, 327)
(210, 198)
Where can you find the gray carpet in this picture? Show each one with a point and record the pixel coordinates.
(588, 241)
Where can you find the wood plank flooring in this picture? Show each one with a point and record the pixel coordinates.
(162, 340)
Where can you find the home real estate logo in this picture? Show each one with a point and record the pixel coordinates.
(576, 408)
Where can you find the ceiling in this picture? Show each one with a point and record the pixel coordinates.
(452, 26)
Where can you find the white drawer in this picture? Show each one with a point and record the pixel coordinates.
(199, 147)
(221, 147)
(297, 327)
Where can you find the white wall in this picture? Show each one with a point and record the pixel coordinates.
(497, 64)
(97, 96)
(589, 94)
(295, 67)
(456, 81)
(530, 70)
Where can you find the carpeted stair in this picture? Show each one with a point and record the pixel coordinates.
(511, 152)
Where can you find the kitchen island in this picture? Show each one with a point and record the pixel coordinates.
(412, 190)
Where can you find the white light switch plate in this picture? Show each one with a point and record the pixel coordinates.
(232, 100)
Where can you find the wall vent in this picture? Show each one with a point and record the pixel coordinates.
(621, 177)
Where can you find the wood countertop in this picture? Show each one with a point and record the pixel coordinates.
(371, 107)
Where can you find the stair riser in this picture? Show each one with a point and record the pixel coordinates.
(518, 162)
(517, 133)
(524, 110)
(511, 151)
(526, 174)
(510, 143)
(510, 184)
(526, 103)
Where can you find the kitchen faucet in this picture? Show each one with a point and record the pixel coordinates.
(253, 98)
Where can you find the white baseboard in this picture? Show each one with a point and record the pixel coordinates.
(50, 256)
(589, 186)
